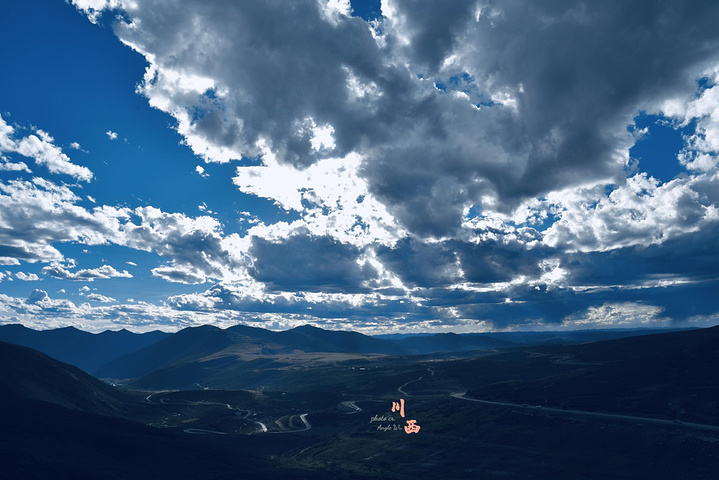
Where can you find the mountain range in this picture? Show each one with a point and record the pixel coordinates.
(84, 350)
(124, 354)
(531, 422)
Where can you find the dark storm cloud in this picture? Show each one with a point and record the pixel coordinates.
(439, 264)
(309, 263)
(570, 75)
(274, 63)
(492, 261)
(421, 264)
(690, 256)
(579, 72)
(449, 106)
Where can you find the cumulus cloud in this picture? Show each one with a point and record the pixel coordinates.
(94, 8)
(27, 277)
(96, 297)
(201, 172)
(38, 214)
(465, 165)
(356, 311)
(307, 263)
(86, 275)
(111, 135)
(197, 247)
(41, 311)
(450, 109)
(180, 274)
(330, 196)
(8, 166)
(38, 146)
(641, 211)
(37, 296)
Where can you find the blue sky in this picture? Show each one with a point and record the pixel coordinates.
(384, 167)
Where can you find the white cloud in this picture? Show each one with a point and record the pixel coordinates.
(201, 172)
(331, 196)
(93, 8)
(180, 274)
(8, 166)
(449, 138)
(111, 135)
(27, 277)
(40, 311)
(39, 214)
(499, 131)
(96, 297)
(85, 275)
(39, 147)
(619, 315)
(641, 212)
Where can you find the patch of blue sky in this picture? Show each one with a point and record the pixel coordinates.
(656, 150)
(367, 9)
(146, 164)
(465, 83)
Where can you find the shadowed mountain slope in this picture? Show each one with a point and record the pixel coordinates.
(215, 348)
(59, 422)
(85, 350)
(32, 375)
(669, 375)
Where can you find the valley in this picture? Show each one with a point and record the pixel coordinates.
(527, 411)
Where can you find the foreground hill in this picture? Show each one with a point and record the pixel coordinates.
(324, 427)
(670, 375)
(85, 350)
(59, 422)
(31, 375)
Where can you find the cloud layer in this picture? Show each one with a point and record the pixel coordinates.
(461, 167)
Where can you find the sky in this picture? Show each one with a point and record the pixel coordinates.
(400, 166)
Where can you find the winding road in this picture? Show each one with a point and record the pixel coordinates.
(613, 416)
(351, 404)
(201, 431)
(399, 389)
(303, 417)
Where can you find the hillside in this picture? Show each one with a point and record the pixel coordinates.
(59, 422)
(192, 355)
(32, 375)
(85, 350)
(669, 375)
